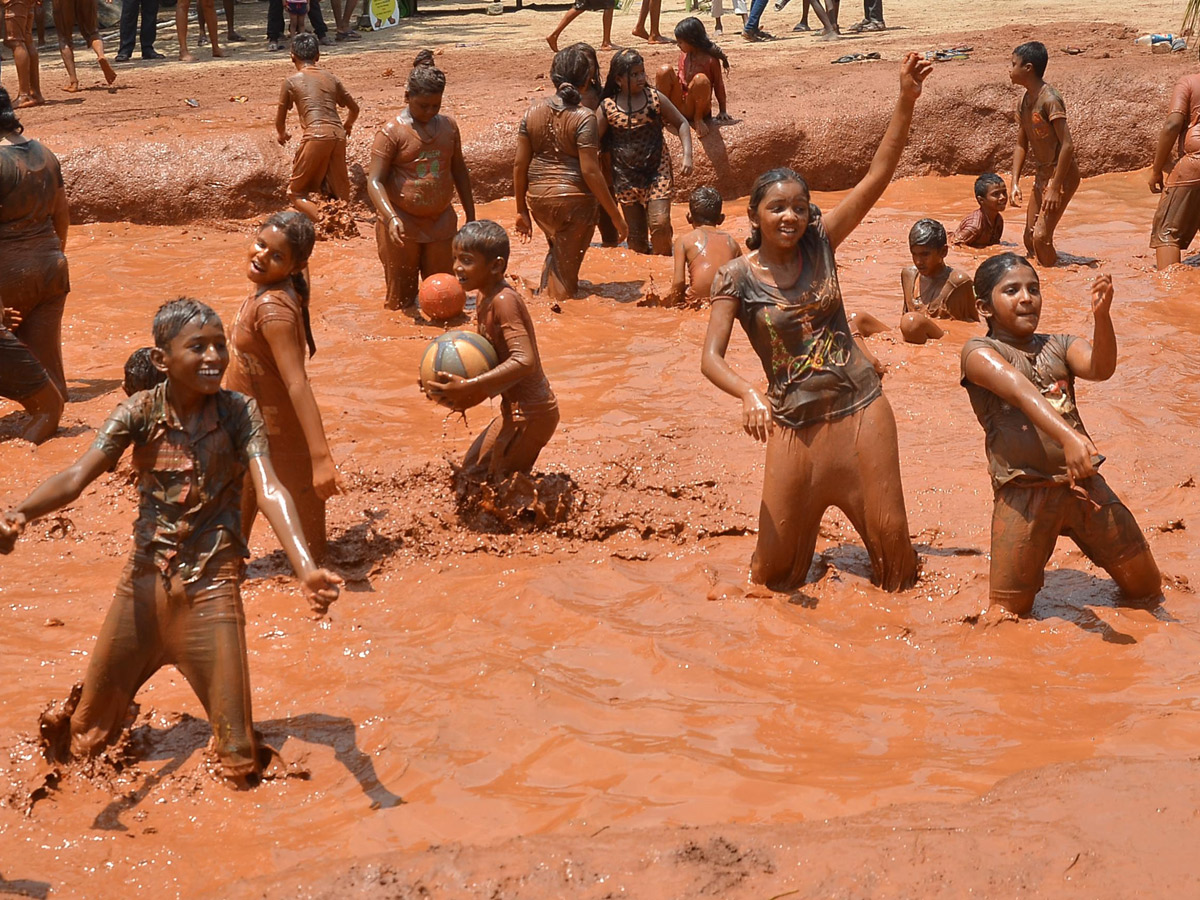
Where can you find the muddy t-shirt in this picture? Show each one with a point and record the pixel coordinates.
(556, 133)
(815, 370)
(1185, 100)
(189, 484)
(32, 265)
(316, 94)
(419, 180)
(505, 322)
(1037, 116)
(254, 372)
(1017, 452)
(974, 230)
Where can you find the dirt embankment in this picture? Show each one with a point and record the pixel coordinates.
(220, 160)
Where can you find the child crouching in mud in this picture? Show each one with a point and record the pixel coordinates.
(178, 600)
(830, 432)
(528, 408)
(1042, 461)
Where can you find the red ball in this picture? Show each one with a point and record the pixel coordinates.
(441, 297)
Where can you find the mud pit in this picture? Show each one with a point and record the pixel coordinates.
(603, 707)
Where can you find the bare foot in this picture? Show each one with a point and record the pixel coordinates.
(185, 56)
(234, 38)
(701, 128)
(606, 46)
(828, 35)
(24, 101)
(110, 74)
(71, 87)
(640, 32)
(657, 38)
(217, 52)
(552, 40)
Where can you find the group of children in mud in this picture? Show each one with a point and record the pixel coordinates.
(209, 457)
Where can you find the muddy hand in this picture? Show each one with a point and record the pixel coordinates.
(756, 417)
(1156, 181)
(321, 587)
(1079, 453)
(1014, 195)
(524, 227)
(622, 228)
(457, 392)
(1102, 295)
(283, 137)
(913, 72)
(11, 527)
(395, 229)
(327, 481)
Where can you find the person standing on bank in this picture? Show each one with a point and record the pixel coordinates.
(130, 10)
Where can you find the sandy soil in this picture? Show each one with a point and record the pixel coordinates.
(605, 708)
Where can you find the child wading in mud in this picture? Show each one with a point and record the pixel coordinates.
(1042, 461)
(830, 432)
(528, 408)
(698, 78)
(416, 166)
(321, 156)
(703, 250)
(1042, 128)
(270, 334)
(631, 119)
(985, 226)
(178, 601)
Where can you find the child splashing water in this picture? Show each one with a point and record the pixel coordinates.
(698, 78)
(830, 433)
(631, 120)
(269, 336)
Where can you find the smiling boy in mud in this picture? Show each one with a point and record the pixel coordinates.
(321, 157)
(1042, 128)
(1042, 461)
(178, 600)
(985, 226)
(699, 253)
(528, 408)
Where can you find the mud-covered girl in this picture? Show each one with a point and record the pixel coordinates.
(830, 433)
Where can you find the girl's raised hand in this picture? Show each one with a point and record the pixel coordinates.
(1102, 295)
(524, 226)
(913, 72)
(756, 415)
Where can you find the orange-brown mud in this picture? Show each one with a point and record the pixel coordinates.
(602, 706)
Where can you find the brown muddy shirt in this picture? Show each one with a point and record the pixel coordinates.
(505, 322)
(974, 230)
(1016, 451)
(556, 133)
(189, 484)
(32, 265)
(815, 370)
(1185, 100)
(254, 372)
(419, 181)
(316, 94)
(1037, 116)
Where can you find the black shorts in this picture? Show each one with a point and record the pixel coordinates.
(583, 5)
(21, 375)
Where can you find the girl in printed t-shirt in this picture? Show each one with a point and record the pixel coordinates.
(416, 166)
(830, 433)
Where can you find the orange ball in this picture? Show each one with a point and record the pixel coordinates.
(441, 297)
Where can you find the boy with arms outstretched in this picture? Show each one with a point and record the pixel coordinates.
(1042, 461)
(1042, 128)
(985, 226)
(321, 157)
(699, 253)
(178, 600)
(528, 408)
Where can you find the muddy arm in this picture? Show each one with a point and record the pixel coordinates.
(679, 124)
(589, 165)
(1098, 360)
(462, 181)
(1167, 139)
(521, 184)
(756, 415)
(54, 493)
(62, 216)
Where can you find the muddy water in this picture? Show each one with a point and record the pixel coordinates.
(550, 683)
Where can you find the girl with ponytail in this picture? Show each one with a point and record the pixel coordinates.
(830, 433)
(268, 340)
(698, 77)
(557, 176)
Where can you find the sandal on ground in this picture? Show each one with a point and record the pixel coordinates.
(858, 27)
(801, 26)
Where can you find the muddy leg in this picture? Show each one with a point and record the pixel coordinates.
(658, 215)
(666, 79)
(1167, 256)
(865, 324)
(1043, 231)
(41, 331)
(568, 17)
(401, 268)
(181, 28)
(478, 460)
(789, 517)
(699, 104)
(67, 51)
(918, 328)
(635, 218)
(437, 258)
(45, 409)
(110, 74)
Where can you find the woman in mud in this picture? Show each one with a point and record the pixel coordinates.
(830, 433)
(557, 175)
(590, 96)
(34, 218)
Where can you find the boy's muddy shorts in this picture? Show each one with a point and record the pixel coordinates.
(72, 14)
(200, 628)
(1177, 218)
(18, 21)
(1027, 521)
(320, 160)
(21, 374)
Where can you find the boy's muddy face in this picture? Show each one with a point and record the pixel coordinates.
(472, 270)
(270, 258)
(1016, 304)
(928, 260)
(423, 107)
(995, 200)
(196, 358)
(782, 215)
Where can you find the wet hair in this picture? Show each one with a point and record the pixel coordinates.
(175, 315)
(928, 233)
(426, 79)
(298, 229)
(140, 372)
(764, 183)
(484, 236)
(306, 47)
(1033, 53)
(593, 62)
(991, 270)
(9, 123)
(692, 31)
(570, 72)
(705, 205)
(985, 181)
(620, 66)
